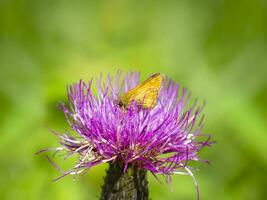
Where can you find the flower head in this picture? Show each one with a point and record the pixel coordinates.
(161, 139)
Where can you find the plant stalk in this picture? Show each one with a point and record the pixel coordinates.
(120, 185)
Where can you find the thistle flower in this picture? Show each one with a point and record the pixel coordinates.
(161, 139)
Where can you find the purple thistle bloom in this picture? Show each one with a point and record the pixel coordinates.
(161, 140)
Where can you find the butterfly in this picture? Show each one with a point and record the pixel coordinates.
(145, 94)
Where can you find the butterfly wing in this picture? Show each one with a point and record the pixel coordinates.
(147, 98)
(145, 94)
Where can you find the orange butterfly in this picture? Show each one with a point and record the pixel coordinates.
(145, 94)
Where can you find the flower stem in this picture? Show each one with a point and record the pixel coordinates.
(120, 185)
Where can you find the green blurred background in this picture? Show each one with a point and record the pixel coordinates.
(216, 48)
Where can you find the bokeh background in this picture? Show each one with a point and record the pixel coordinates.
(216, 48)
